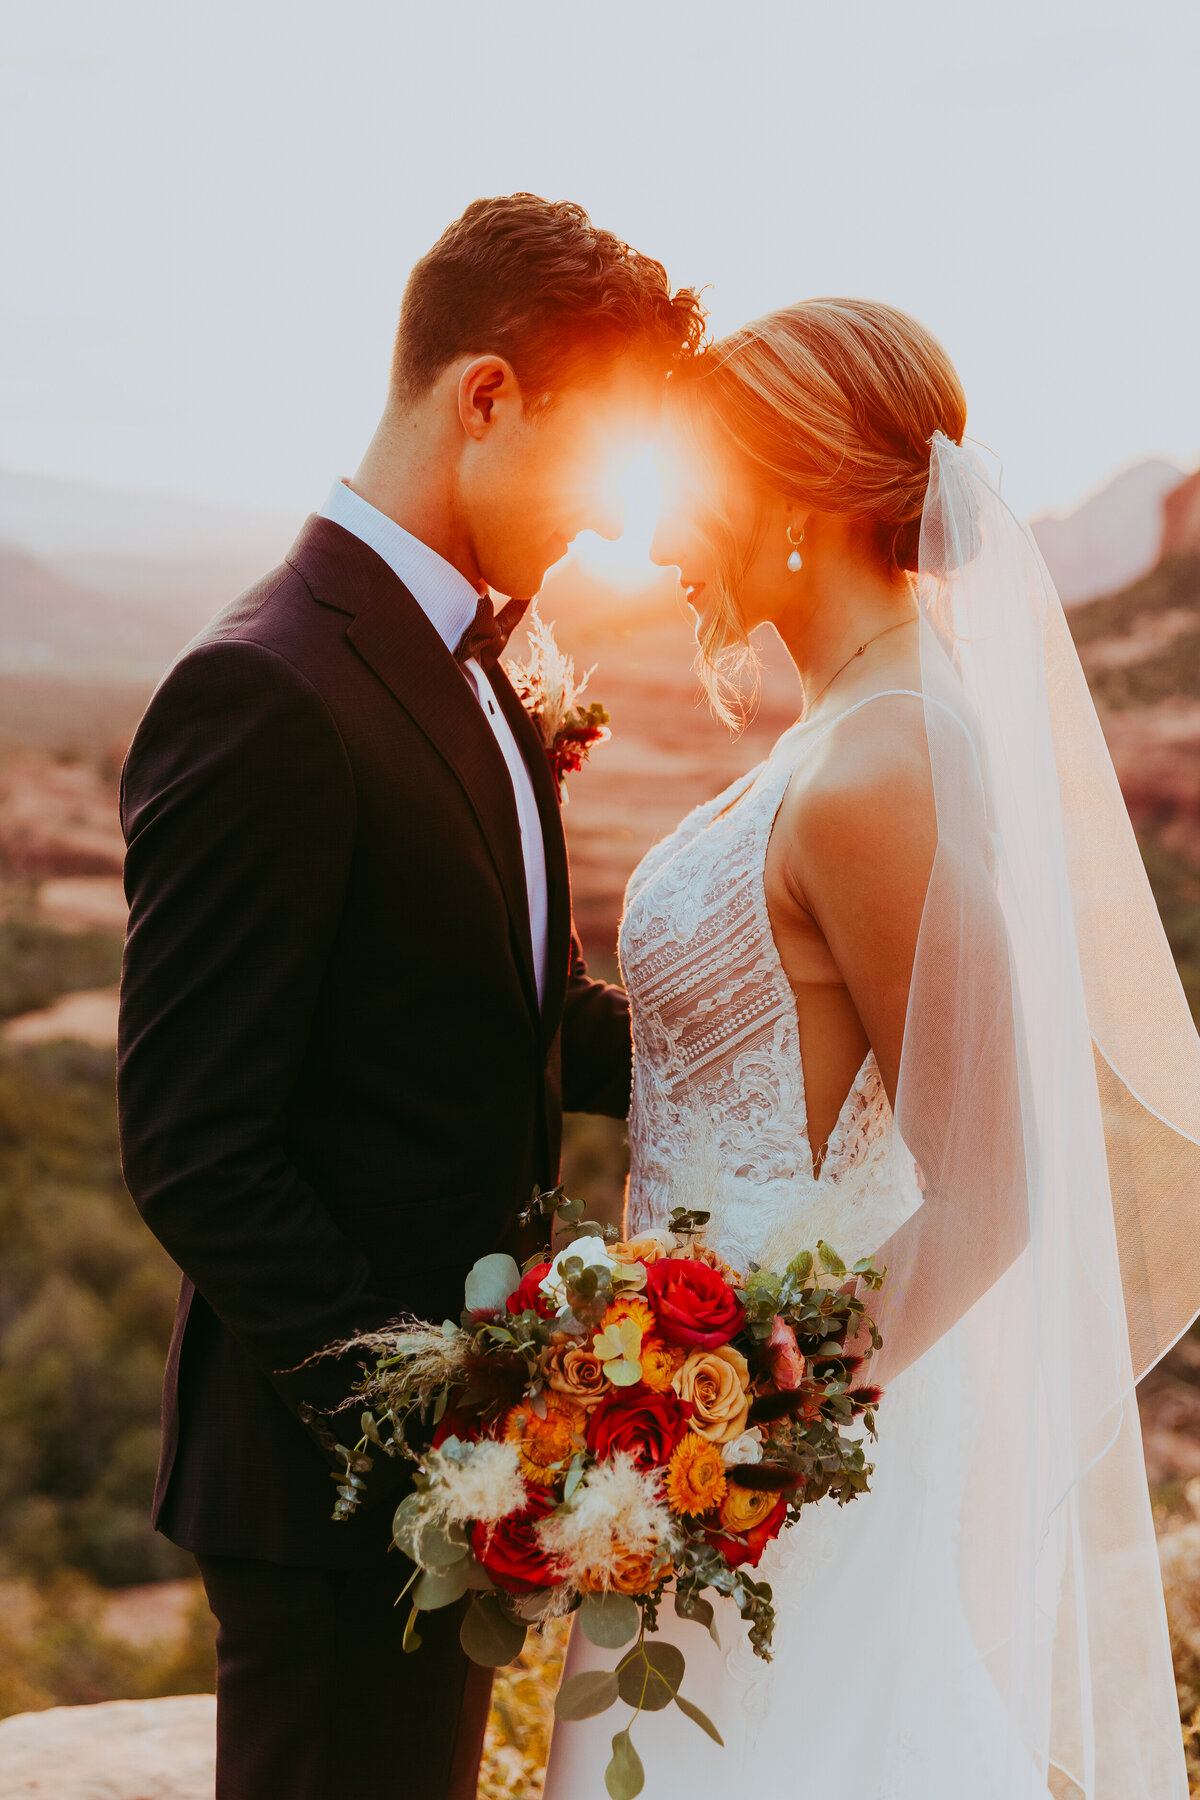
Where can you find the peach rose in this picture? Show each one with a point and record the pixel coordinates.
(715, 1381)
(627, 1572)
(575, 1372)
(645, 1249)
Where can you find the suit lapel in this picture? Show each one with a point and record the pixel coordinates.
(558, 881)
(392, 634)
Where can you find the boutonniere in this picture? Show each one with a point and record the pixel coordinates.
(546, 686)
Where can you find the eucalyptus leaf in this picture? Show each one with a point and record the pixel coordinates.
(622, 1372)
(695, 1606)
(624, 1777)
(830, 1260)
(570, 1210)
(648, 1676)
(441, 1587)
(574, 1475)
(699, 1718)
(412, 1637)
(609, 1620)
(490, 1282)
(438, 1549)
(534, 1606)
(488, 1635)
(583, 1696)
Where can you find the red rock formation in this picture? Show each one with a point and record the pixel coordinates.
(1181, 518)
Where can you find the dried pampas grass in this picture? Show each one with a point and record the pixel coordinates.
(617, 1510)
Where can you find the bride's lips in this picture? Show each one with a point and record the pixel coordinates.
(692, 590)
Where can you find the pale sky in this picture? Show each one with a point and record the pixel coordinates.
(208, 213)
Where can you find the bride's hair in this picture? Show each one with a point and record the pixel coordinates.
(831, 403)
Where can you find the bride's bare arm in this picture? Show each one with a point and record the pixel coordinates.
(862, 848)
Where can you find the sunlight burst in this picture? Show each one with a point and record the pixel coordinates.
(626, 560)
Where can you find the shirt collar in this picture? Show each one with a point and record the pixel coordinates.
(445, 596)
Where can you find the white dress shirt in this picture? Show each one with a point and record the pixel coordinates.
(449, 601)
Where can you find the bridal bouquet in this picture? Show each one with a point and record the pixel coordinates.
(620, 1420)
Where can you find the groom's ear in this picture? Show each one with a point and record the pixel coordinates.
(486, 387)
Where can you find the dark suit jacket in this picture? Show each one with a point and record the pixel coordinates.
(336, 1086)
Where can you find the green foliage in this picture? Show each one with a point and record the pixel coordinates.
(86, 1302)
(56, 1649)
(38, 964)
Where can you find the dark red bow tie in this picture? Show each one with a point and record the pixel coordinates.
(489, 631)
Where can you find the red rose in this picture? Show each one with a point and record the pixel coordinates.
(528, 1298)
(510, 1551)
(646, 1424)
(466, 1426)
(749, 1548)
(692, 1303)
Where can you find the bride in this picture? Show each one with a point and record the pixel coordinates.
(903, 987)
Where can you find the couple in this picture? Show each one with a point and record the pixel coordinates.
(901, 987)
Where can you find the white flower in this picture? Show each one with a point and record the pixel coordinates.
(592, 1254)
(744, 1449)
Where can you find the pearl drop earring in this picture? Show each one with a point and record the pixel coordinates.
(795, 561)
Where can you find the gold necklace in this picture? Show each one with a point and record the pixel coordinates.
(809, 704)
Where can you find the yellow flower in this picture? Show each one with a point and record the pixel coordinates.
(695, 1476)
(659, 1362)
(545, 1446)
(744, 1508)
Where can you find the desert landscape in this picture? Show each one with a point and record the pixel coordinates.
(98, 592)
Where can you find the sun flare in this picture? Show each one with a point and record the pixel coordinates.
(626, 560)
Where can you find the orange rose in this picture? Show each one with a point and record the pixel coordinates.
(695, 1476)
(743, 1508)
(545, 1446)
(660, 1361)
(628, 1572)
(576, 1373)
(716, 1383)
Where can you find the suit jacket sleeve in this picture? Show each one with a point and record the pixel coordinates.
(597, 1051)
(238, 808)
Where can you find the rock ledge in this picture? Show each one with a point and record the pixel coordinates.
(119, 1750)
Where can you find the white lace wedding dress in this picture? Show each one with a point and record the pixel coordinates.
(877, 1689)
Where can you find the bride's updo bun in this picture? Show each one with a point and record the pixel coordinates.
(832, 403)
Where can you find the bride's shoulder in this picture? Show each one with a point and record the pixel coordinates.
(863, 799)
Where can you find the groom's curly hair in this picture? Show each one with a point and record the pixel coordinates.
(536, 282)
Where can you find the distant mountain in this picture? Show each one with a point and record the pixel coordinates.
(1114, 537)
(51, 624)
(55, 518)
(1181, 519)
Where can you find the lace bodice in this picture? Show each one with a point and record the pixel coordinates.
(718, 1119)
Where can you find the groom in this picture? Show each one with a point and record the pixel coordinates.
(353, 1007)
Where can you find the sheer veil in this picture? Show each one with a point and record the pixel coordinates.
(1049, 1098)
